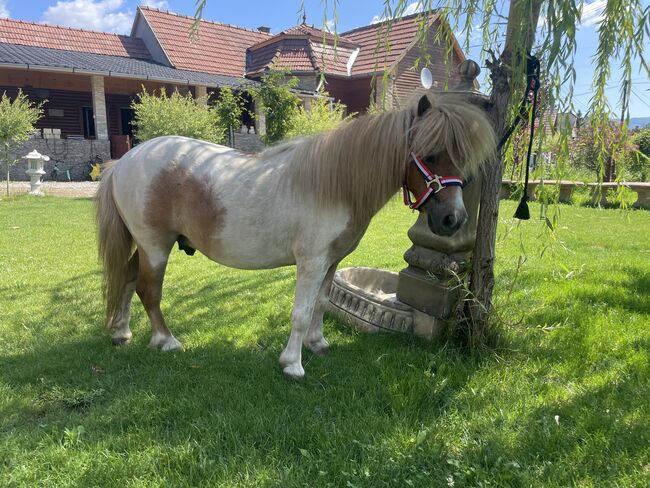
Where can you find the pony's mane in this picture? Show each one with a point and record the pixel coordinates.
(362, 163)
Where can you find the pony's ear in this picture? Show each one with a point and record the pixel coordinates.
(423, 105)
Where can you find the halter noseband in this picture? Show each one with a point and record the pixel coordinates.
(430, 179)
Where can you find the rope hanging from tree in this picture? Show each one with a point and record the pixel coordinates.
(532, 78)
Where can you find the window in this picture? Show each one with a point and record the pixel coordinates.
(88, 121)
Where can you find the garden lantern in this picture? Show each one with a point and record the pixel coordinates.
(35, 170)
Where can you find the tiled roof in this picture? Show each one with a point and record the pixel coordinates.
(40, 57)
(66, 38)
(220, 48)
(378, 50)
(301, 48)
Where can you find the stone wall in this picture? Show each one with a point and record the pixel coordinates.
(67, 154)
(249, 143)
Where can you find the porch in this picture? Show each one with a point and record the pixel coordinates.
(87, 117)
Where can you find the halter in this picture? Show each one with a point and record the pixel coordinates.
(440, 182)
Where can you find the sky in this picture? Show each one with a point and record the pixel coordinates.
(117, 16)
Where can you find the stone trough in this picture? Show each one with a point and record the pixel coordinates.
(367, 299)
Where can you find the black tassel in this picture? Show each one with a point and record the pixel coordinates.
(522, 212)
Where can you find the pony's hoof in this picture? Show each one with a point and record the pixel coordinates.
(294, 372)
(172, 344)
(120, 341)
(320, 348)
(165, 343)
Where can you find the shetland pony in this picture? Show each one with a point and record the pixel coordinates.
(306, 202)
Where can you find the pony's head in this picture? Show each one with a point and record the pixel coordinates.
(450, 139)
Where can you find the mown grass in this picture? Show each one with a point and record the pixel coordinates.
(562, 401)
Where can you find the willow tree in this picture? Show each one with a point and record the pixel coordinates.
(511, 31)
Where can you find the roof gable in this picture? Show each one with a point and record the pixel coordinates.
(220, 48)
(69, 39)
(382, 48)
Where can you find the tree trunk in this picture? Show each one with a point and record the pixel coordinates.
(522, 21)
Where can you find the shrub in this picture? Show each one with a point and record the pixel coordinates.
(279, 102)
(229, 107)
(636, 165)
(176, 114)
(17, 119)
(321, 116)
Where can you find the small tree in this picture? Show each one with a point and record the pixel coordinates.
(280, 104)
(175, 114)
(17, 119)
(322, 115)
(229, 107)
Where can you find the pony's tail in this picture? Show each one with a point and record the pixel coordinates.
(115, 244)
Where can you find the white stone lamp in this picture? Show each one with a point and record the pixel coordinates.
(35, 170)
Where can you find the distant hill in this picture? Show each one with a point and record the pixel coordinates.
(639, 122)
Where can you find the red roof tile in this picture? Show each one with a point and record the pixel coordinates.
(69, 39)
(375, 53)
(220, 48)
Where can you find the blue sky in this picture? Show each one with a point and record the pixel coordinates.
(117, 16)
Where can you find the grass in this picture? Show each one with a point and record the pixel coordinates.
(563, 401)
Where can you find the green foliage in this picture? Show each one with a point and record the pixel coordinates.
(280, 104)
(585, 150)
(323, 115)
(17, 120)
(163, 115)
(229, 108)
(636, 164)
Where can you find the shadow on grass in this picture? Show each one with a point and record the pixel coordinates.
(223, 404)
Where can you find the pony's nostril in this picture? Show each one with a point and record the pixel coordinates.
(449, 221)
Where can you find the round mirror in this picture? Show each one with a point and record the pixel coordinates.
(426, 78)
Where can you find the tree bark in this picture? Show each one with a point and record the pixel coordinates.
(522, 22)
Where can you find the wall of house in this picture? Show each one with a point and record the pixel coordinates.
(407, 77)
(62, 109)
(353, 93)
(113, 105)
(143, 31)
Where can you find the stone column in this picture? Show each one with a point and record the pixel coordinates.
(99, 107)
(201, 93)
(428, 283)
(260, 118)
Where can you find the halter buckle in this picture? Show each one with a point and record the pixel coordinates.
(436, 180)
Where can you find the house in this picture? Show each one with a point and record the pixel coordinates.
(89, 79)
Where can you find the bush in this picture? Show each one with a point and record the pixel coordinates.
(636, 164)
(176, 114)
(229, 107)
(321, 116)
(17, 119)
(280, 104)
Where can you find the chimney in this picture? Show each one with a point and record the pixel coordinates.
(263, 28)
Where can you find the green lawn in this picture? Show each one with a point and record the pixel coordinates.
(564, 400)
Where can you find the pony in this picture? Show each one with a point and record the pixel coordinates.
(306, 202)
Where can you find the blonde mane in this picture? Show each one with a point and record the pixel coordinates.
(362, 163)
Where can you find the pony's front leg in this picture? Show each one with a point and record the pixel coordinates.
(310, 276)
(315, 339)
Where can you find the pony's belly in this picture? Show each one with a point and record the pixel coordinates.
(256, 256)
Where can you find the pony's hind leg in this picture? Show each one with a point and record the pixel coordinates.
(310, 276)
(120, 320)
(151, 272)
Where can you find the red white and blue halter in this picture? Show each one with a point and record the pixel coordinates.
(435, 183)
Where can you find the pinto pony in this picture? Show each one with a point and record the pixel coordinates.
(306, 202)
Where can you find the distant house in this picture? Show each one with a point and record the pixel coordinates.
(90, 78)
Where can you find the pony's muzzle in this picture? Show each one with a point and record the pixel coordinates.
(449, 224)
